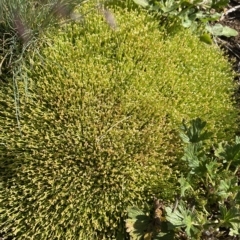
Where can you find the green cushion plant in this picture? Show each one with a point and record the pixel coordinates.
(98, 117)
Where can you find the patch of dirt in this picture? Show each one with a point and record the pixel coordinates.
(231, 18)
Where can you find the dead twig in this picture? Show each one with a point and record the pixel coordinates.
(233, 9)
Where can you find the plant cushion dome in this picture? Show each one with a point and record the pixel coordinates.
(97, 124)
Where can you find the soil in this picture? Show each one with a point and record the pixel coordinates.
(231, 45)
(231, 18)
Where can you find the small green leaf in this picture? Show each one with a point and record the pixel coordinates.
(220, 30)
(168, 6)
(137, 224)
(229, 188)
(175, 218)
(165, 236)
(229, 32)
(184, 185)
(237, 198)
(143, 3)
(134, 212)
(227, 217)
(186, 22)
(206, 17)
(184, 137)
(194, 132)
(183, 217)
(235, 229)
(206, 38)
(190, 156)
(219, 4)
(212, 168)
(219, 151)
(223, 188)
(237, 140)
(229, 153)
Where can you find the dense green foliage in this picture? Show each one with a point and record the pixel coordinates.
(199, 16)
(208, 205)
(97, 124)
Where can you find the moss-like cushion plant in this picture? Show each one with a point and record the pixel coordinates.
(97, 124)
